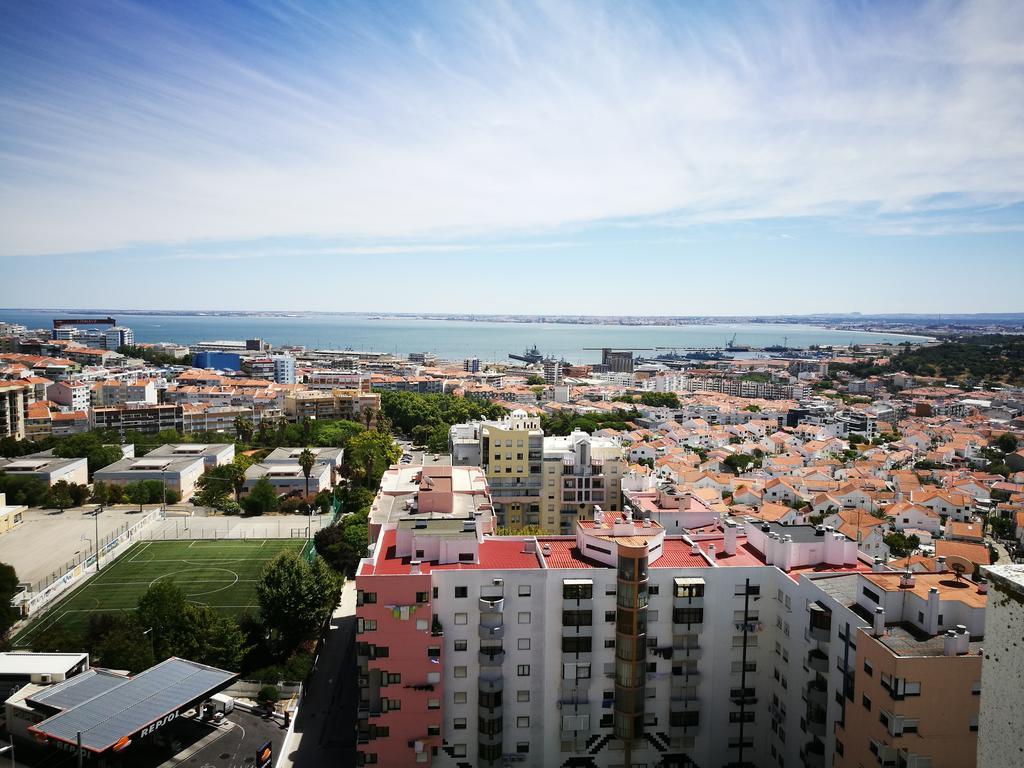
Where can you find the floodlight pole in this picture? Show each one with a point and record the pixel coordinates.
(96, 520)
(10, 748)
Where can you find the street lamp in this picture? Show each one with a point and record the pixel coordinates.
(10, 748)
(163, 481)
(152, 649)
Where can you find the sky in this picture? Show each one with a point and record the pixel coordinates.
(556, 158)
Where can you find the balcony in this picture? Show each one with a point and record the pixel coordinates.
(490, 686)
(486, 659)
(813, 755)
(684, 704)
(820, 634)
(817, 694)
(817, 661)
(686, 652)
(814, 724)
(492, 633)
(492, 604)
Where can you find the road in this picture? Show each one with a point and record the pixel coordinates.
(325, 729)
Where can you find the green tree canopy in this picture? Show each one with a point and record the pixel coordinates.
(8, 589)
(369, 455)
(261, 499)
(296, 597)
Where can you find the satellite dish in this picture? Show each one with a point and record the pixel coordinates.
(959, 565)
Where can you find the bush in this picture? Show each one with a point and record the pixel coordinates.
(268, 694)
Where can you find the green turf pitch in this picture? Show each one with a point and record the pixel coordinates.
(221, 574)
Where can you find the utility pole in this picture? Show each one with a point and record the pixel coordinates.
(78, 742)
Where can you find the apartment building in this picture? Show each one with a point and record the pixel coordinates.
(510, 451)
(141, 418)
(118, 336)
(595, 649)
(918, 676)
(580, 472)
(70, 395)
(13, 409)
(48, 468)
(115, 392)
(351, 404)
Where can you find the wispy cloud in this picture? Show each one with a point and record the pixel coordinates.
(128, 123)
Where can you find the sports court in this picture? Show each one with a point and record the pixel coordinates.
(221, 574)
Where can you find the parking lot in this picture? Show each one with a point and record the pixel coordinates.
(419, 457)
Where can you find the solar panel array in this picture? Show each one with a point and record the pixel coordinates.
(125, 709)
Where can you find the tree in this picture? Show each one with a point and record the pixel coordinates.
(535, 380)
(307, 460)
(370, 454)
(343, 544)
(261, 499)
(1007, 442)
(8, 589)
(90, 446)
(738, 462)
(243, 429)
(296, 597)
(900, 544)
(1000, 527)
(79, 494)
(23, 491)
(60, 495)
(118, 641)
(137, 493)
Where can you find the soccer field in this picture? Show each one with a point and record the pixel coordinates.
(221, 574)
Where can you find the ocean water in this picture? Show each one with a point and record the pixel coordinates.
(455, 339)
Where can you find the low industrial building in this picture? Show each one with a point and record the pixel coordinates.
(10, 514)
(213, 454)
(288, 478)
(180, 474)
(50, 469)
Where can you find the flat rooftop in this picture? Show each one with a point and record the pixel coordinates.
(963, 590)
(14, 663)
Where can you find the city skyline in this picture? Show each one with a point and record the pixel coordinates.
(459, 145)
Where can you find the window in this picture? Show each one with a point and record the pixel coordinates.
(524, 590)
(433, 703)
(421, 625)
(522, 747)
(576, 618)
(581, 644)
(870, 595)
(653, 589)
(687, 615)
(741, 717)
(523, 643)
(369, 598)
(461, 645)
(462, 591)
(393, 678)
(460, 671)
(609, 616)
(577, 591)
(523, 670)
(742, 589)
(434, 591)
(868, 669)
(422, 597)
(460, 697)
(609, 643)
(434, 653)
(911, 689)
(458, 750)
(524, 617)
(522, 695)
(866, 702)
(523, 721)
(461, 618)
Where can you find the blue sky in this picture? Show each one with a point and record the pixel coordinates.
(726, 158)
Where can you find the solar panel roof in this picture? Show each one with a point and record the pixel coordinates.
(126, 709)
(77, 690)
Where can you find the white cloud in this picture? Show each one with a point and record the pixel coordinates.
(503, 119)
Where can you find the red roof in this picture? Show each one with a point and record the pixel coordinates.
(565, 554)
(676, 553)
(495, 554)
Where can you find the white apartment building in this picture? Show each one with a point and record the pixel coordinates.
(284, 369)
(728, 648)
(118, 337)
(70, 395)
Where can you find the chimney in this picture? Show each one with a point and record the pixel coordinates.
(694, 549)
(906, 579)
(940, 564)
(931, 615)
(878, 625)
(730, 539)
(963, 639)
(949, 643)
(878, 566)
(711, 551)
(546, 550)
(647, 522)
(982, 586)
(414, 567)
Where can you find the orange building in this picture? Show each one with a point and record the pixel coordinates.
(917, 685)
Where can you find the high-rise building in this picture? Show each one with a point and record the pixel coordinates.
(284, 369)
(118, 336)
(617, 360)
(580, 473)
(471, 365)
(510, 451)
(13, 409)
(552, 371)
(1001, 720)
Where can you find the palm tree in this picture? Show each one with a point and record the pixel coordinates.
(306, 460)
(243, 428)
(368, 415)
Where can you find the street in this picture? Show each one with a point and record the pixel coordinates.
(325, 729)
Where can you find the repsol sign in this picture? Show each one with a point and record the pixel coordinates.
(158, 724)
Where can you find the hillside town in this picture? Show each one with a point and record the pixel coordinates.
(787, 509)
